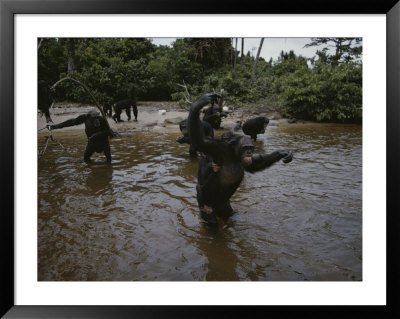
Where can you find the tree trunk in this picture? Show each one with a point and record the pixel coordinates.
(71, 55)
(234, 61)
(253, 72)
(41, 42)
(84, 47)
(242, 47)
(231, 49)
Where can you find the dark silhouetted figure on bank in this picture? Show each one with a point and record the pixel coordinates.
(97, 132)
(207, 129)
(107, 109)
(222, 167)
(255, 126)
(126, 105)
(45, 99)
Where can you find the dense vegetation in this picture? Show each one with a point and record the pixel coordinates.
(327, 87)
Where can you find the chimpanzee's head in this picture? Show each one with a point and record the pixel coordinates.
(94, 116)
(243, 146)
(246, 149)
(266, 121)
(183, 127)
(262, 124)
(93, 113)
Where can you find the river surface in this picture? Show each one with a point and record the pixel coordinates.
(138, 220)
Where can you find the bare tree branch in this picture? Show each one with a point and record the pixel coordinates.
(186, 94)
(53, 87)
(221, 100)
(253, 72)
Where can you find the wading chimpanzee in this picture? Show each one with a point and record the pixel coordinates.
(222, 168)
(126, 105)
(255, 126)
(45, 99)
(214, 115)
(207, 129)
(107, 109)
(97, 132)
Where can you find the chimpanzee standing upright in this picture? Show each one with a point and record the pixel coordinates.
(222, 168)
(97, 132)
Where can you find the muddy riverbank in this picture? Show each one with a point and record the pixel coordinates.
(164, 116)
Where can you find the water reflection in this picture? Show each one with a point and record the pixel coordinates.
(222, 260)
(138, 219)
(99, 177)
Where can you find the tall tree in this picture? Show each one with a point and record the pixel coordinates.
(242, 47)
(85, 42)
(234, 62)
(253, 72)
(346, 49)
(71, 55)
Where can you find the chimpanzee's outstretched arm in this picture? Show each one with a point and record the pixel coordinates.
(79, 120)
(196, 133)
(262, 161)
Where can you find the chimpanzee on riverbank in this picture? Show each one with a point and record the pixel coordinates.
(126, 105)
(96, 130)
(207, 129)
(107, 109)
(45, 99)
(255, 126)
(222, 168)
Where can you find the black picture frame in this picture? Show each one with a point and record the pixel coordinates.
(8, 9)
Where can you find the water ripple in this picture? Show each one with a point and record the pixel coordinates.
(138, 219)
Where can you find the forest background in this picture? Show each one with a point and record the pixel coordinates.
(325, 87)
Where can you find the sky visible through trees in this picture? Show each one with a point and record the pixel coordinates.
(309, 78)
(272, 47)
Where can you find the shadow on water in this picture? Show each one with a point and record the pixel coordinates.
(138, 219)
(222, 260)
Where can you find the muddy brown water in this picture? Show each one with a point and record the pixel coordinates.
(138, 220)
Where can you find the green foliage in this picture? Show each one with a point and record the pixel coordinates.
(322, 93)
(345, 49)
(327, 87)
(52, 59)
(210, 52)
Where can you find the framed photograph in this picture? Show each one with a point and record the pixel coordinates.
(143, 226)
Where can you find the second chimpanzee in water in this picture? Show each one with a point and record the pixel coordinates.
(255, 126)
(222, 168)
(97, 132)
(207, 129)
(126, 105)
(214, 115)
